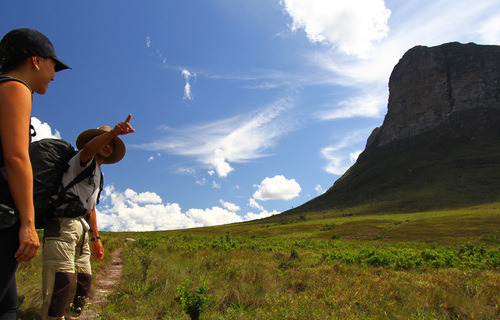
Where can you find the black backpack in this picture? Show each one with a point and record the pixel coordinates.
(49, 160)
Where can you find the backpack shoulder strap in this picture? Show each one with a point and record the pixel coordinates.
(82, 175)
(101, 184)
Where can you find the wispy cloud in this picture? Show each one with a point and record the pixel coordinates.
(340, 156)
(319, 189)
(232, 140)
(187, 88)
(368, 105)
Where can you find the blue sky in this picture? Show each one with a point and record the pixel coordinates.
(243, 108)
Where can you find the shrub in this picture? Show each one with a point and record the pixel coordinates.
(193, 301)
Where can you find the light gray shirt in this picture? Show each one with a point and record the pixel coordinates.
(87, 189)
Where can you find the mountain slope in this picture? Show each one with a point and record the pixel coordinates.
(439, 145)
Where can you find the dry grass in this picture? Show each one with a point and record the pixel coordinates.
(271, 270)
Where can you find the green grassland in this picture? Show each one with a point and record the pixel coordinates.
(314, 265)
(410, 231)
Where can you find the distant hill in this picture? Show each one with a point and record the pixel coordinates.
(439, 145)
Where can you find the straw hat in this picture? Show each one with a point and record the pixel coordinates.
(87, 135)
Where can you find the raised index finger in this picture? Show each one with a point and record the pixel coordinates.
(128, 118)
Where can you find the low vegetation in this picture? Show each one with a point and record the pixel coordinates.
(430, 265)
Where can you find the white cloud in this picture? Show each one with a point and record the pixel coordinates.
(277, 188)
(232, 140)
(254, 204)
(360, 106)
(215, 185)
(145, 211)
(187, 88)
(144, 197)
(218, 161)
(319, 189)
(264, 214)
(201, 182)
(353, 156)
(489, 32)
(130, 211)
(214, 216)
(229, 206)
(351, 26)
(43, 130)
(184, 170)
(338, 157)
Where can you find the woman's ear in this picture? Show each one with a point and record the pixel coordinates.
(36, 61)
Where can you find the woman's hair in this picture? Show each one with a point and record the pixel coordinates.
(11, 55)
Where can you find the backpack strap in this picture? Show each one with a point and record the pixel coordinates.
(101, 184)
(82, 175)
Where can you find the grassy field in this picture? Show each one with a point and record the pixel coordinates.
(319, 265)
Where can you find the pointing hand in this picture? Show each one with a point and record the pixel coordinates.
(124, 127)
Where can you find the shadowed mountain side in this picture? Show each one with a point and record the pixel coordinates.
(439, 145)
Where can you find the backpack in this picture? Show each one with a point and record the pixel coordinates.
(49, 160)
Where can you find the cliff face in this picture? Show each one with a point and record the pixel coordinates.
(429, 85)
(439, 145)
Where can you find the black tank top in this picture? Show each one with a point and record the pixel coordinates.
(5, 196)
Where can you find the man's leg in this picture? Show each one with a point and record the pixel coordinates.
(80, 295)
(81, 287)
(55, 290)
(61, 236)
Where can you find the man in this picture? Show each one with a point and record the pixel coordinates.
(66, 250)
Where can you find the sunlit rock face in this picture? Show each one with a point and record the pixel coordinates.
(439, 145)
(431, 86)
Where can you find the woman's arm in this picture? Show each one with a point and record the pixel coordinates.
(15, 113)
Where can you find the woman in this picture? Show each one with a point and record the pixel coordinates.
(27, 64)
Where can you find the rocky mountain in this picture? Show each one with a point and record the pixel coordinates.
(439, 145)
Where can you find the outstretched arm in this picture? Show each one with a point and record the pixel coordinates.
(98, 142)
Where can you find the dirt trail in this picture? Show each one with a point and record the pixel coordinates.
(104, 283)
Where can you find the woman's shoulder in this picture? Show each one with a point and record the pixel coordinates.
(13, 81)
(13, 86)
(14, 97)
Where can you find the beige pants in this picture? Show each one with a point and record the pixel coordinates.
(66, 269)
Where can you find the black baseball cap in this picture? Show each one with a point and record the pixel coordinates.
(34, 43)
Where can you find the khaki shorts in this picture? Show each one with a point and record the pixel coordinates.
(66, 266)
